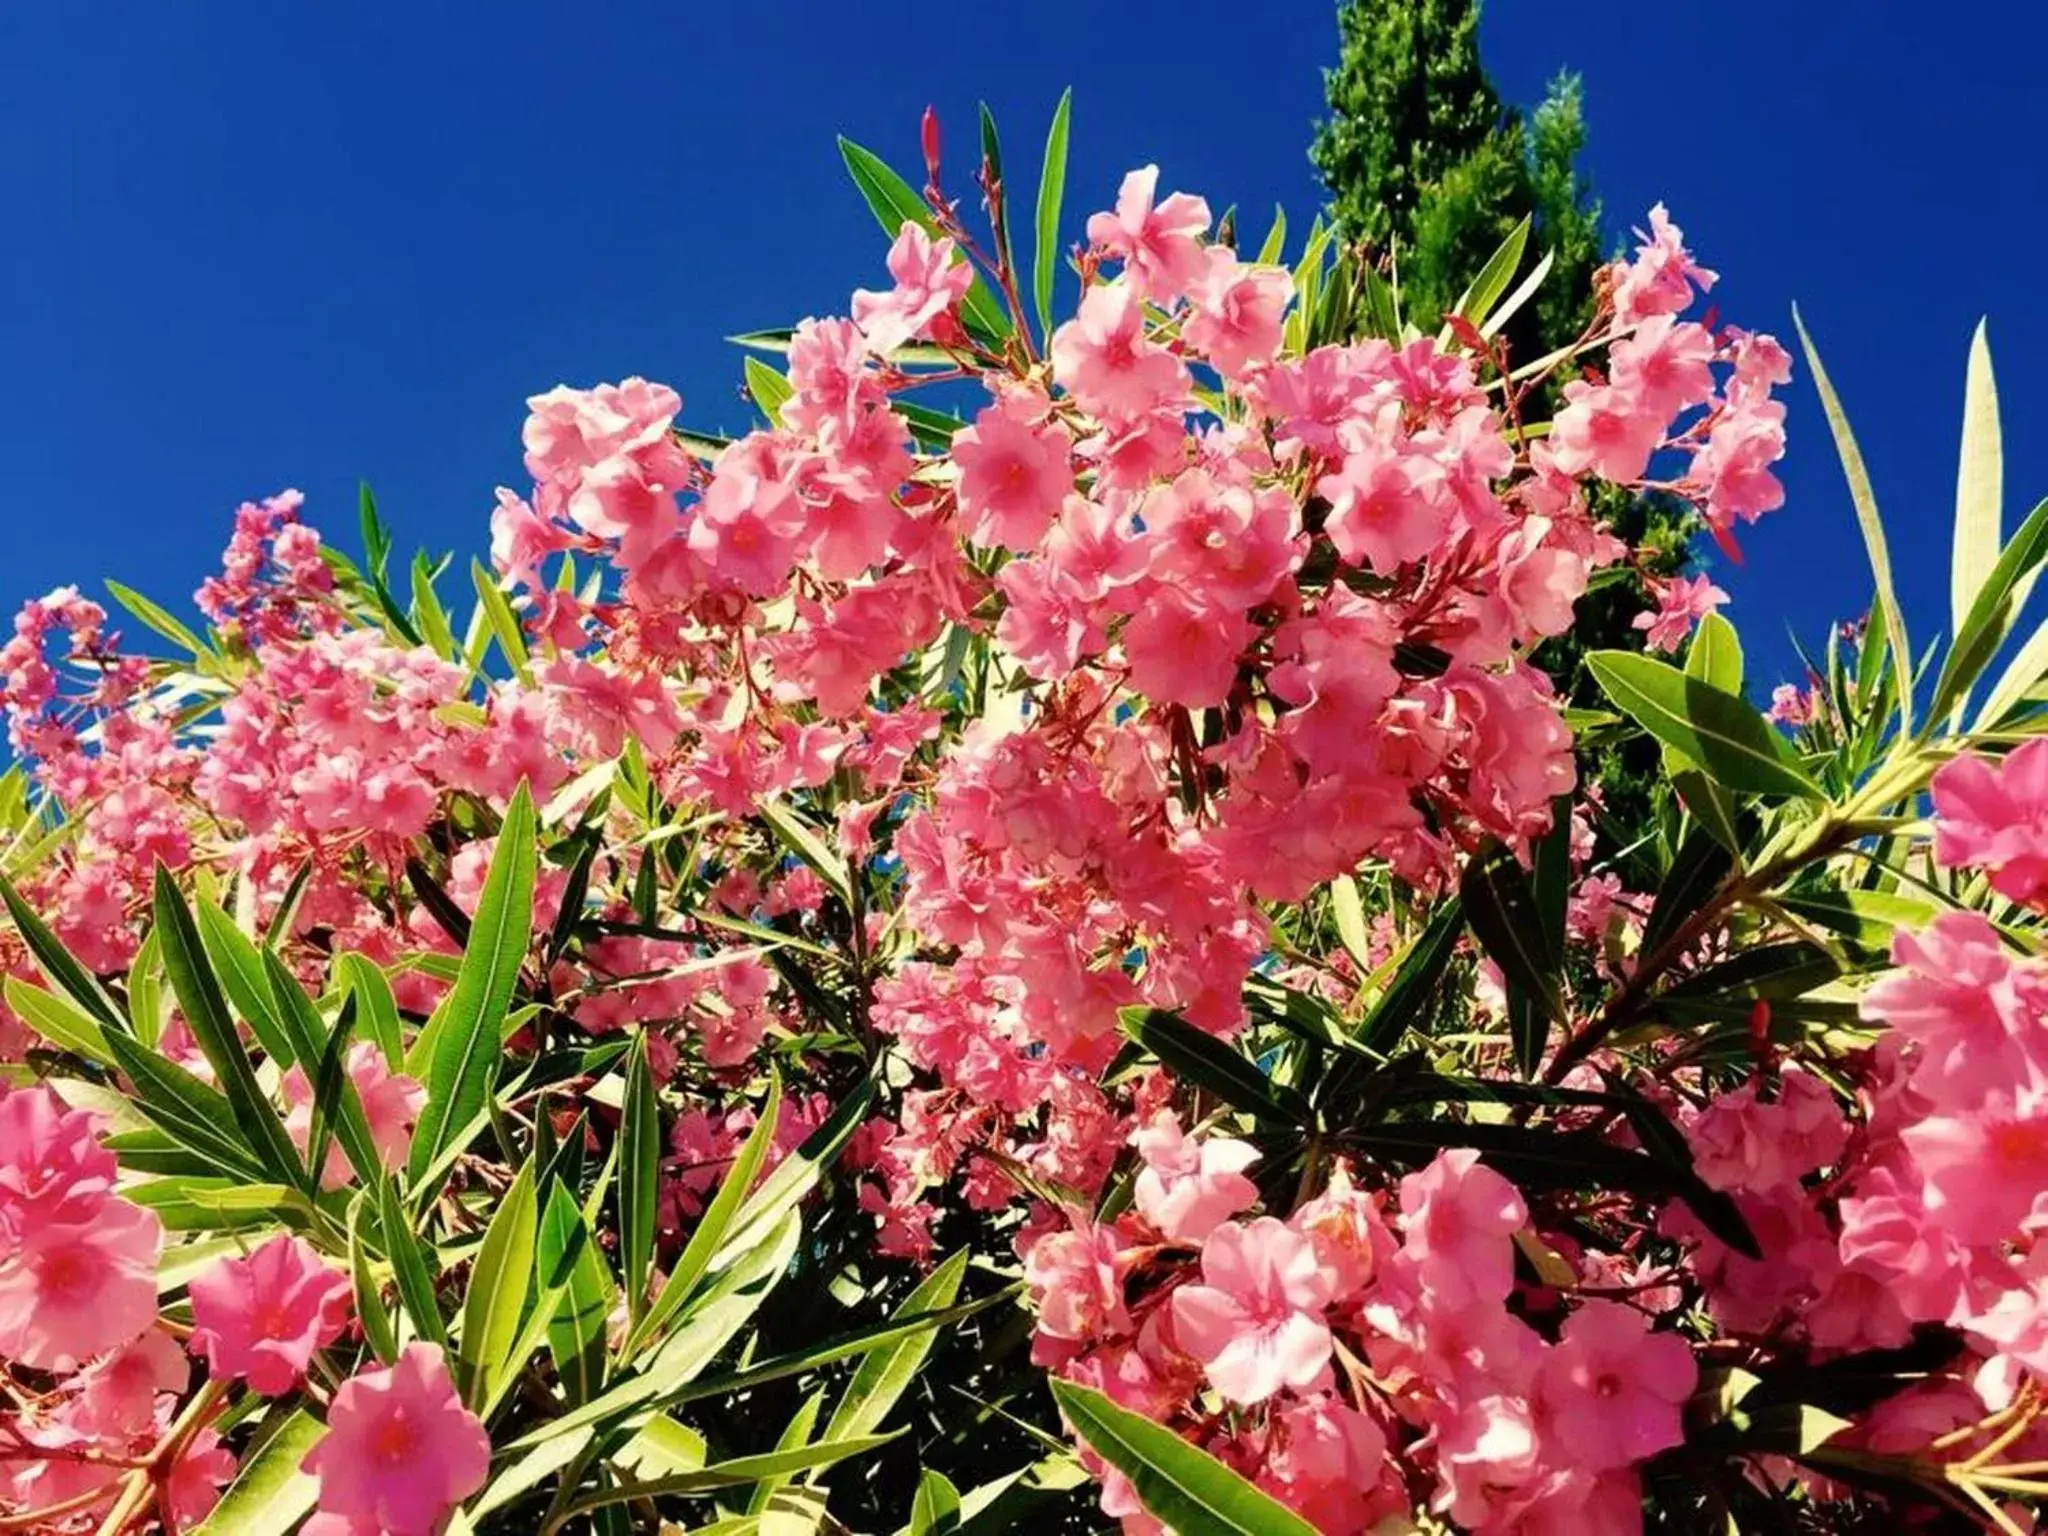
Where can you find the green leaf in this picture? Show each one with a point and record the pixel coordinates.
(1500, 905)
(59, 1020)
(639, 1178)
(935, 1509)
(712, 1227)
(206, 1015)
(1702, 864)
(1407, 997)
(239, 965)
(1183, 1486)
(890, 198)
(408, 1264)
(188, 1202)
(376, 1006)
(369, 1296)
(1348, 909)
(504, 623)
(769, 389)
(1985, 627)
(797, 1432)
(429, 615)
(498, 1288)
(885, 1373)
(157, 618)
(1207, 1062)
(1980, 532)
(797, 836)
(569, 1258)
(1052, 187)
(796, 1175)
(337, 1109)
(1477, 301)
(845, 1346)
(1716, 655)
(1870, 918)
(189, 1111)
(999, 204)
(1865, 500)
(377, 564)
(1720, 732)
(270, 1493)
(465, 1058)
(56, 963)
(725, 1474)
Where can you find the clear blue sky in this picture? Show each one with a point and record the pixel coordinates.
(256, 245)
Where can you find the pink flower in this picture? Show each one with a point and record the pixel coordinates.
(1606, 431)
(1076, 1283)
(197, 1477)
(1741, 1142)
(928, 283)
(1681, 603)
(1103, 358)
(391, 1104)
(1664, 365)
(1184, 654)
(261, 1318)
(1389, 505)
(1994, 817)
(72, 1290)
(1792, 708)
(1187, 1188)
(1160, 246)
(1611, 1390)
(1014, 472)
(1973, 1016)
(1235, 312)
(53, 1168)
(400, 1450)
(1461, 1222)
(1256, 1320)
(1661, 279)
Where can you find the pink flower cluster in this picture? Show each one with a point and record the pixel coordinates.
(78, 1301)
(1361, 1351)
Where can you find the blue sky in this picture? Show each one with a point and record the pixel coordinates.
(251, 246)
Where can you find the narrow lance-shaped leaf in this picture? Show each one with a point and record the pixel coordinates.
(1201, 1059)
(569, 1258)
(498, 1287)
(1723, 734)
(1984, 628)
(465, 1059)
(270, 1492)
(712, 1227)
(1980, 533)
(1052, 186)
(376, 1006)
(1865, 501)
(409, 1264)
(190, 1112)
(1181, 1485)
(206, 1015)
(1501, 908)
(370, 1308)
(238, 962)
(639, 1178)
(935, 1508)
(1415, 982)
(884, 1374)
